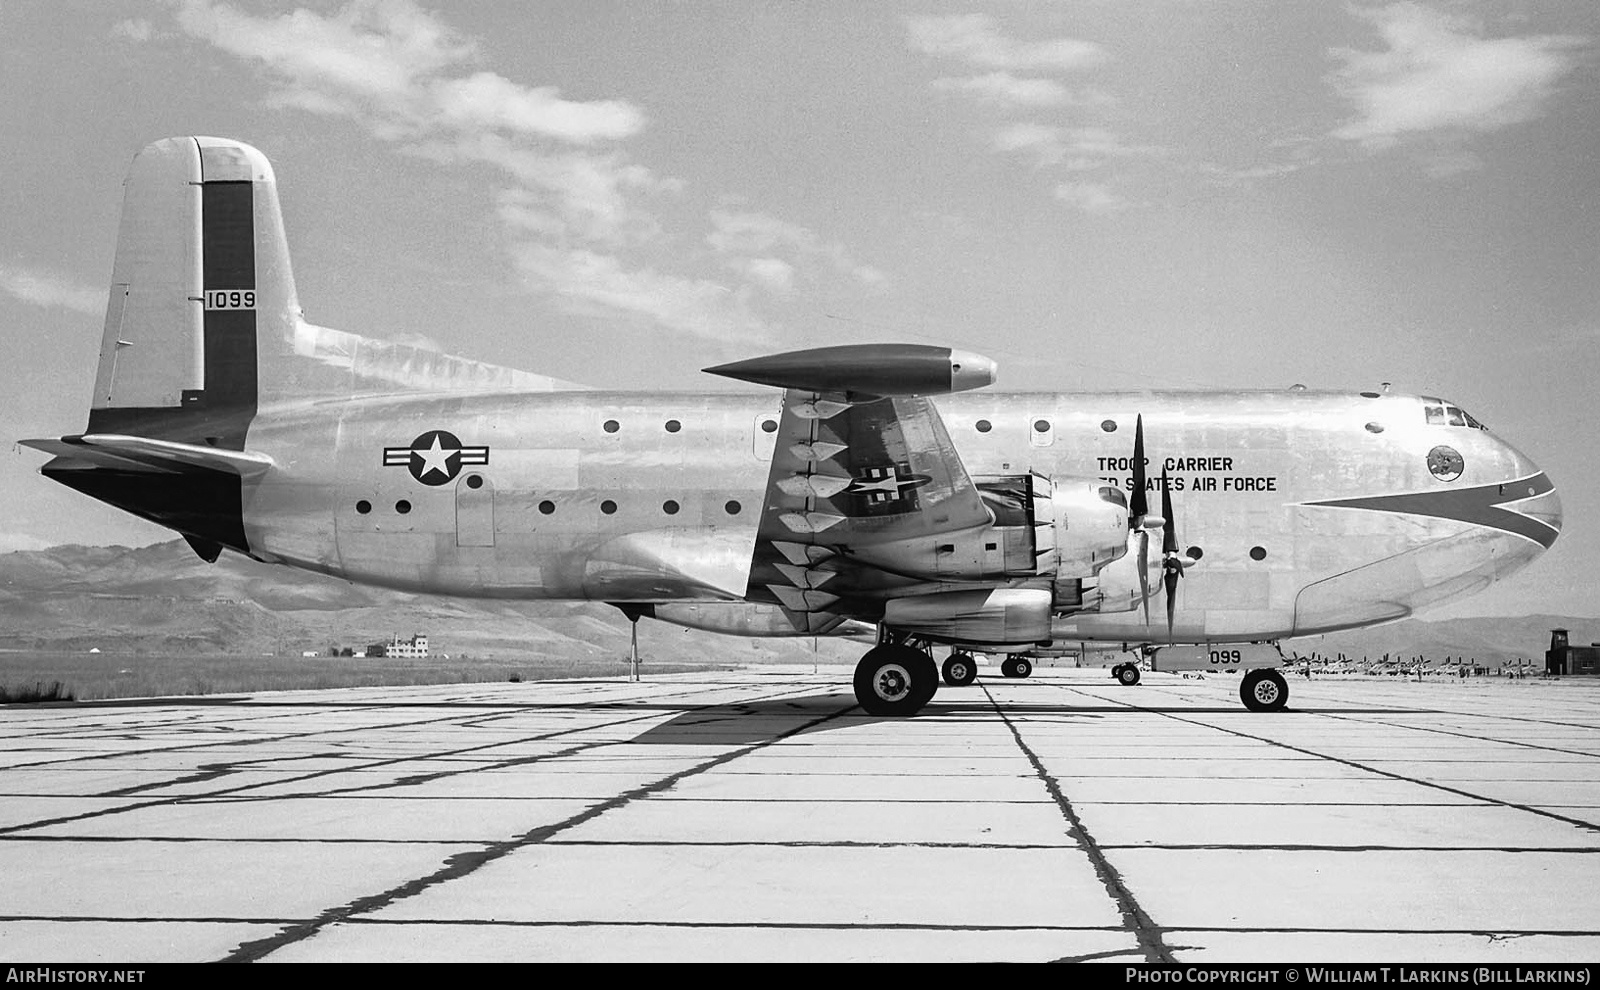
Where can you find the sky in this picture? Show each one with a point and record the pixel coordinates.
(1097, 194)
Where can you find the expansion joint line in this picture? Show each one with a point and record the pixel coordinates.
(466, 863)
(1134, 918)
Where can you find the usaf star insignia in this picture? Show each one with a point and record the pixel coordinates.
(435, 457)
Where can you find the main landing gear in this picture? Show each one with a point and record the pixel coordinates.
(1015, 666)
(1264, 690)
(1127, 674)
(960, 669)
(895, 679)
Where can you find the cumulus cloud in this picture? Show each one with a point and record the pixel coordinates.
(595, 282)
(1094, 198)
(1438, 73)
(749, 241)
(52, 290)
(574, 207)
(1070, 148)
(974, 39)
(136, 29)
(1009, 90)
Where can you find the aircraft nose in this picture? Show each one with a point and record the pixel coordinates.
(1530, 493)
(1545, 507)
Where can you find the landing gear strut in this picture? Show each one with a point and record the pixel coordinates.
(1264, 690)
(895, 679)
(960, 669)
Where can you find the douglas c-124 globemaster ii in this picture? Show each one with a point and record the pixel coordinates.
(1015, 524)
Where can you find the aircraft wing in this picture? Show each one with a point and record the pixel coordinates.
(866, 494)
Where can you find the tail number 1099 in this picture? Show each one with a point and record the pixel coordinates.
(230, 299)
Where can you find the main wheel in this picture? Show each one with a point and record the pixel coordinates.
(1023, 667)
(1264, 691)
(1128, 674)
(960, 669)
(895, 680)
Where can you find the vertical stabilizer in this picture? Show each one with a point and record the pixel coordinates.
(201, 272)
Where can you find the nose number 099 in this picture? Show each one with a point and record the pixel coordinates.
(1226, 656)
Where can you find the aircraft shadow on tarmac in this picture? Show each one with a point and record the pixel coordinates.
(766, 721)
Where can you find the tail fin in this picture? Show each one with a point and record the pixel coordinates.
(201, 272)
(202, 332)
(203, 325)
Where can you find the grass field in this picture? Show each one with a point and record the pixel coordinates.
(90, 677)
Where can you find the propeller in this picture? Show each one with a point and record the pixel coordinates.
(1172, 562)
(1139, 518)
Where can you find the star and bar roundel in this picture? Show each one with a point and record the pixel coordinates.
(435, 457)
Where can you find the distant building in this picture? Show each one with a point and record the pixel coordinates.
(1563, 658)
(415, 648)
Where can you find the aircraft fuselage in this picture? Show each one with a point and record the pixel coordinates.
(633, 497)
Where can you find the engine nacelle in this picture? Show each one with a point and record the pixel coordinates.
(998, 615)
(754, 619)
(1091, 526)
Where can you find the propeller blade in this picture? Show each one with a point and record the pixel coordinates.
(1171, 563)
(1171, 581)
(1138, 505)
(1169, 527)
(1144, 575)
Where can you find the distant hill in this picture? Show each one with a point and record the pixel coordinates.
(162, 598)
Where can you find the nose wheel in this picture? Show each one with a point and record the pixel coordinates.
(1264, 691)
(894, 679)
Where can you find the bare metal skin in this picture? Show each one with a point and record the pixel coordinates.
(858, 487)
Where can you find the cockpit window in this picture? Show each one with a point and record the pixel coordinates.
(1441, 413)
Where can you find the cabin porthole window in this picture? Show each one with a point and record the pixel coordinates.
(402, 507)
(670, 507)
(1258, 553)
(1109, 425)
(608, 507)
(983, 426)
(673, 426)
(363, 507)
(547, 507)
(612, 426)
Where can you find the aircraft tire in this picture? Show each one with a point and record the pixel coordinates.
(960, 669)
(1128, 675)
(1264, 690)
(895, 680)
(1023, 667)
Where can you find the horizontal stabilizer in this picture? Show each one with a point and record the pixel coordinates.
(135, 453)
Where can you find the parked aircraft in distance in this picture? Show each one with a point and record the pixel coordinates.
(1016, 524)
